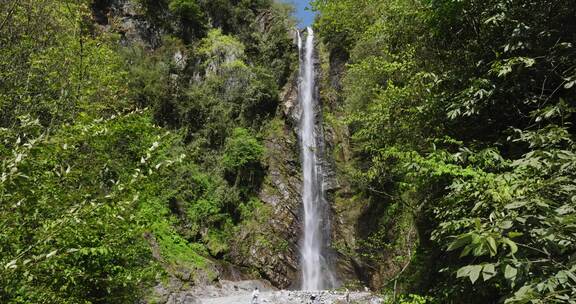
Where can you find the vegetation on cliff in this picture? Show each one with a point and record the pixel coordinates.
(114, 119)
(461, 114)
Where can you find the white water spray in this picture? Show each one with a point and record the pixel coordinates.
(316, 273)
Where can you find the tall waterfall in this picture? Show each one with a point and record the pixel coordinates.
(316, 273)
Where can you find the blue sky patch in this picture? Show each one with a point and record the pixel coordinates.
(306, 17)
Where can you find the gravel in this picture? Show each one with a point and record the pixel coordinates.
(295, 297)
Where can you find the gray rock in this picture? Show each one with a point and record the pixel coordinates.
(293, 297)
(126, 18)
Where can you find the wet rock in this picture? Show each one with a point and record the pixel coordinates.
(230, 272)
(290, 106)
(182, 283)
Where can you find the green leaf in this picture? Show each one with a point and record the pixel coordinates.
(571, 275)
(463, 272)
(475, 273)
(11, 264)
(477, 224)
(479, 250)
(528, 62)
(515, 205)
(510, 272)
(523, 291)
(488, 272)
(561, 277)
(460, 241)
(506, 224)
(492, 246)
(466, 250)
(470, 271)
(511, 244)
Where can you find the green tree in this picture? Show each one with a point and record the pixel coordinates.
(242, 156)
(461, 113)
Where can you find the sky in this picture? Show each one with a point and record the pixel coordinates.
(306, 17)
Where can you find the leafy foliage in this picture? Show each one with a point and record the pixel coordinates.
(110, 146)
(50, 68)
(242, 150)
(242, 157)
(68, 231)
(461, 112)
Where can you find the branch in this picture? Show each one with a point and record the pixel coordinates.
(12, 9)
(414, 209)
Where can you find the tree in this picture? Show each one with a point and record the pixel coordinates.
(242, 156)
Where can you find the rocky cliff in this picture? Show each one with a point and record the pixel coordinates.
(270, 245)
(277, 257)
(373, 243)
(266, 247)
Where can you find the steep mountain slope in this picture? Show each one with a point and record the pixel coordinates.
(133, 152)
(461, 123)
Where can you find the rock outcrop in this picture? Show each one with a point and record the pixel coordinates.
(277, 258)
(270, 246)
(127, 18)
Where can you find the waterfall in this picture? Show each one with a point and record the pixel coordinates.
(316, 271)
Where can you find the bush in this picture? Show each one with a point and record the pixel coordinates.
(242, 155)
(192, 18)
(414, 299)
(242, 150)
(69, 204)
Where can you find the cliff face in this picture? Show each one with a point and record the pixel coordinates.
(281, 191)
(127, 18)
(347, 206)
(373, 242)
(267, 245)
(270, 245)
(277, 258)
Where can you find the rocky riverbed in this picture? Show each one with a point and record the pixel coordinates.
(241, 292)
(297, 297)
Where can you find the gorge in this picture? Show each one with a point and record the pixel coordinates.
(189, 151)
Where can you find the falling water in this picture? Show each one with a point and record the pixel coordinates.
(316, 274)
